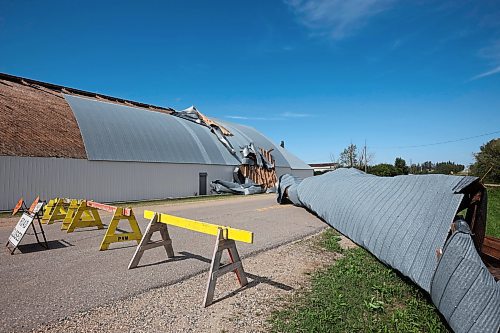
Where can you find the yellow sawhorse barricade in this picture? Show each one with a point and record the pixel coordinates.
(119, 214)
(80, 215)
(55, 210)
(225, 240)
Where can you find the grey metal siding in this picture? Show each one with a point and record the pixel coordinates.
(99, 180)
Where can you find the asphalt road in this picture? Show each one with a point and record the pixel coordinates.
(39, 286)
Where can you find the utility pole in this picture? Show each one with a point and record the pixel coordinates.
(364, 154)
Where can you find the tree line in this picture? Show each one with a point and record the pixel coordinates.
(486, 165)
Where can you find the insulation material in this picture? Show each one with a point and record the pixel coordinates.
(192, 114)
(402, 220)
(259, 167)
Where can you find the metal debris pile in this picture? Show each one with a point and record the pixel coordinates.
(255, 174)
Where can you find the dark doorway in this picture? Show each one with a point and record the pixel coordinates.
(203, 183)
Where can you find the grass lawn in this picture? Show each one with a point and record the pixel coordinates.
(493, 220)
(358, 294)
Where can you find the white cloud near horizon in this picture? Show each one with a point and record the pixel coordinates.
(337, 19)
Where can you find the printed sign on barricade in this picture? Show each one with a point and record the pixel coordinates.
(20, 229)
(26, 220)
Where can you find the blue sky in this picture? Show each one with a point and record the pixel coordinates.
(318, 74)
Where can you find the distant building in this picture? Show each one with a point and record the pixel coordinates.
(62, 142)
(323, 167)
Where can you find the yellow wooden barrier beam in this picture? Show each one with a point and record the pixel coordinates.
(203, 227)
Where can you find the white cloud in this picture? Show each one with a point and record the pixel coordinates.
(485, 74)
(249, 118)
(281, 116)
(295, 115)
(337, 18)
(492, 53)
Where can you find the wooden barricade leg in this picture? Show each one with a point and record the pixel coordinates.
(48, 211)
(221, 244)
(73, 207)
(85, 217)
(111, 237)
(146, 243)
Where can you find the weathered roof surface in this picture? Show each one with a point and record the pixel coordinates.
(403, 220)
(125, 133)
(35, 121)
(463, 289)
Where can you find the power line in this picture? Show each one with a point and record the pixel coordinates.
(438, 143)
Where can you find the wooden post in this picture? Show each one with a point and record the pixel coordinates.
(147, 244)
(221, 244)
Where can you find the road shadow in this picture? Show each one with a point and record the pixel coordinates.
(254, 280)
(183, 256)
(35, 247)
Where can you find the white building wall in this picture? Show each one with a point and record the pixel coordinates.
(295, 172)
(105, 181)
(100, 180)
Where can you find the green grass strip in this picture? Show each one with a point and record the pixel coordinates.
(358, 294)
(493, 219)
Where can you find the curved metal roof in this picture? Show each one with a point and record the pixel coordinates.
(114, 132)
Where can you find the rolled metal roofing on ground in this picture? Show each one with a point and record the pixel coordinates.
(463, 289)
(114, 132)
(403, 220)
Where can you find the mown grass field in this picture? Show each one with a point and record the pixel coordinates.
(493, 220)
(360, 294)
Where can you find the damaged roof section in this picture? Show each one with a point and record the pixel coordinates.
(404, 221)
(255, 174)
(37, 121)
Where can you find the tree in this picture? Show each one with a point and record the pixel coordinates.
(488, 157)
(401, 167)
(383, 169)
(448, 168)
(349, 157)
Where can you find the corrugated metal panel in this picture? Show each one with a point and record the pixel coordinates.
(463, 289)
(402, 220)
(114, 132)
(99, 180)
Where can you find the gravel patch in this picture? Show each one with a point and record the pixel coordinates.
(274, 276)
